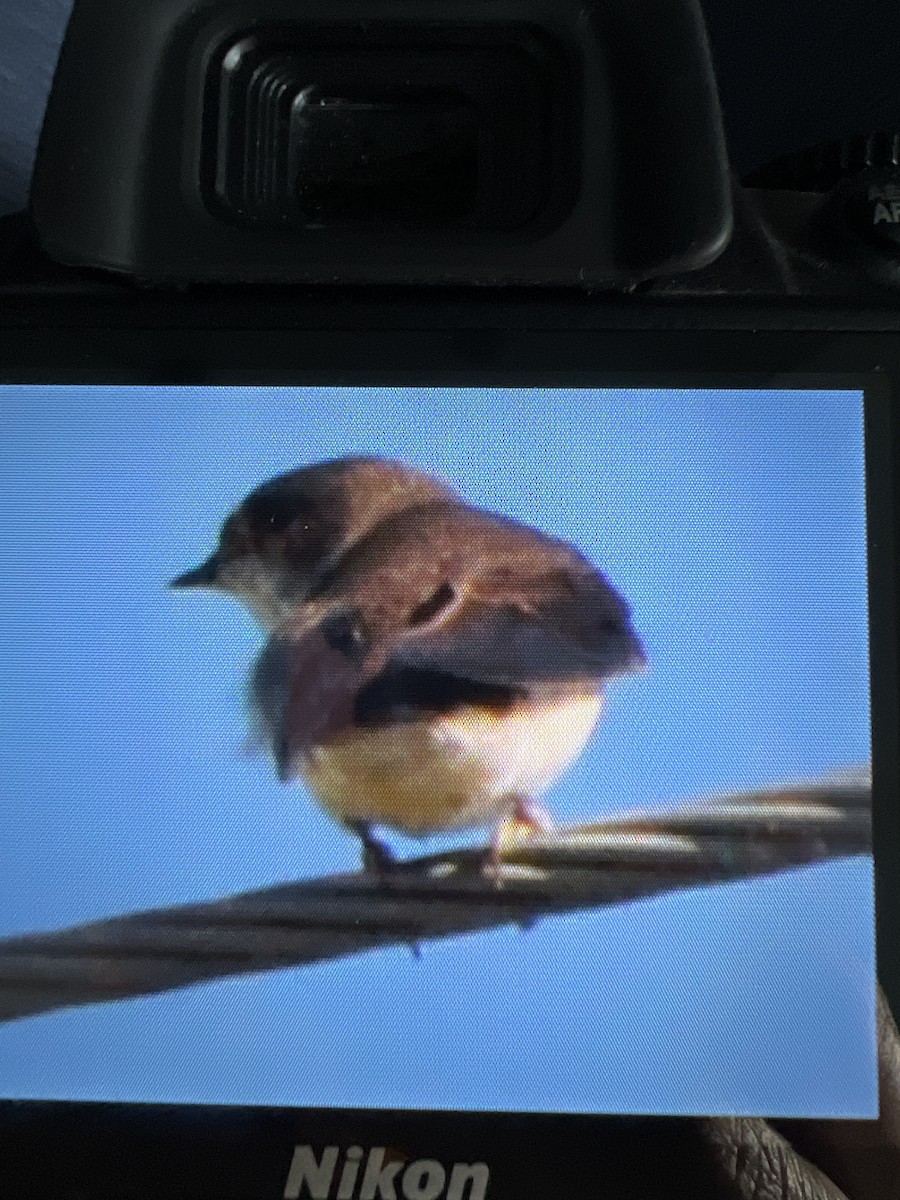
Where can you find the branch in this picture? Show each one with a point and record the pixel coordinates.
(583, 867)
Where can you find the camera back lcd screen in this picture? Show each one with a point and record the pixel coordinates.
(515, 759)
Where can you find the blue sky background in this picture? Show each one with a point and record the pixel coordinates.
(733, 522)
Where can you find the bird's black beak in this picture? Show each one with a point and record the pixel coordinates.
(206, 575)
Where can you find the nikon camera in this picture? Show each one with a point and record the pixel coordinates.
(515, 780)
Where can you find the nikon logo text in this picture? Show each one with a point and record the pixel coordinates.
(381, 1175)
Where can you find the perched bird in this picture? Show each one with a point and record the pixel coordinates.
(430, 666)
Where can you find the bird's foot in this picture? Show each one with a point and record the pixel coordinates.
(377, 858)
(524, 819)
(531, 816)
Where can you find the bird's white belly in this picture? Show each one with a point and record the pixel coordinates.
(456, 771)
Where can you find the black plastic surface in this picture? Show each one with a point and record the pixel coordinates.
(638, 185)
(443, 128)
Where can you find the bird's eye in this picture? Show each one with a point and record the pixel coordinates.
(274, 512)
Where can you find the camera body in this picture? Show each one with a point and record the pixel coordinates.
(489, 193)
(475, 143)
(507, 144)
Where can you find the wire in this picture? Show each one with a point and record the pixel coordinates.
(635, 855)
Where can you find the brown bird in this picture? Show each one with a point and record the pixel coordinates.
(430, 666)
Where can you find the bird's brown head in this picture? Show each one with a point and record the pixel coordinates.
(286, 536)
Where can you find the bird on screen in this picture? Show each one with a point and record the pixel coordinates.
(430, 666)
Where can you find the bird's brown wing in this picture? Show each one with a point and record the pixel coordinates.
(486, 599)
(461, 608)
(518, 641)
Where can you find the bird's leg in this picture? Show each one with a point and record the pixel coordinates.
(492, 863)
(377, 857)
(523, 815)
(378, 861)
(536, 820)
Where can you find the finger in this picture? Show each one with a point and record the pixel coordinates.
(863, 1157)
(754, 1162)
